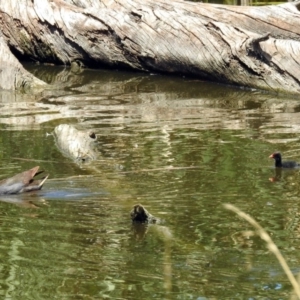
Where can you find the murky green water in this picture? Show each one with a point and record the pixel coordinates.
(180, 147)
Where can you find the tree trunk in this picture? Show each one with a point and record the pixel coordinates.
(12, 74)
(254, 47)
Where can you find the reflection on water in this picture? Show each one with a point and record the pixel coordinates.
(180, 147)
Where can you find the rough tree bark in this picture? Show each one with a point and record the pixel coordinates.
(255, 47)
(75, 144)
(12, 73)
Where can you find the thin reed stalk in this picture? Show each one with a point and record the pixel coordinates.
(270, 244)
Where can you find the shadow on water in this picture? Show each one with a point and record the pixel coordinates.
(180, 147)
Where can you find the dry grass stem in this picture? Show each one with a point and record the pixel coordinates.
(270, 244)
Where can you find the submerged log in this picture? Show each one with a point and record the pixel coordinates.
(78, 145)
(255, 47)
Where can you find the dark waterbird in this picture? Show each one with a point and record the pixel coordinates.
(139, 214)
(283, 164)
(22, 182)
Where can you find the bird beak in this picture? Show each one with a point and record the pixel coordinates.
(271, 156)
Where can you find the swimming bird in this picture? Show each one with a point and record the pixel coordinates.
(22, 182)
(139, 214)
(283, 164)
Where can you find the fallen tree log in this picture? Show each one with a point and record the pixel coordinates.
(256, 47)
(12, 74)
(75, 144)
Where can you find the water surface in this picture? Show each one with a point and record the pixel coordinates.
(180, 147)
